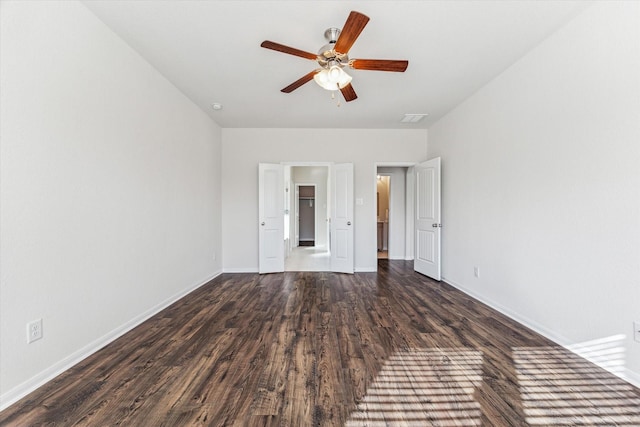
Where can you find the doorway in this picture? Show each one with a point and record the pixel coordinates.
(309, 220)
(306, 215)
(383, 195)
(274, 236)
(393, 210)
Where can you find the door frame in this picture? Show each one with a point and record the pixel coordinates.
(312, 164)
(409, 204)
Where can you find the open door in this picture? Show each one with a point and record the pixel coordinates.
(427, 219)
(271, 218)
(342, 236)
(296, 226)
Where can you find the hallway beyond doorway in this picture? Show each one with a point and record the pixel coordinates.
(308, 258)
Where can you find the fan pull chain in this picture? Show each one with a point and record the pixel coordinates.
(333, 96)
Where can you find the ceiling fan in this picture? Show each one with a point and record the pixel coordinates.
(333, 57)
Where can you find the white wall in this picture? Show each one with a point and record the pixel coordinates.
(243, 149)
(110, 190)
(317, 175)
(397, 211)
(541, 183)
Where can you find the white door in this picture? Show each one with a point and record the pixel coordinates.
(427, 219)
(271, 218)
(297, 217)
(342, 224)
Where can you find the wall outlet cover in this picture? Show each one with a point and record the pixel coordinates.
(34, 331)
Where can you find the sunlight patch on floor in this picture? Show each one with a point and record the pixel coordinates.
(558, 387)
(607, 352)
(421, 388)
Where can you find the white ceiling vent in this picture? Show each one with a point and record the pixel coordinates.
(413, 117)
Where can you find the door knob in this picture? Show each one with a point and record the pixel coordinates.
(348, 222)
(262, 223)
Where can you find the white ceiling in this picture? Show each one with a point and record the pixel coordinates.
(211, 51)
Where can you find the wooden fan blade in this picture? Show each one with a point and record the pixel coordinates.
(348, 93)
(350, 31)
(286, 49)
(295, 85)
(379, 64)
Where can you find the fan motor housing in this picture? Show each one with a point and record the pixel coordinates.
(327, 54)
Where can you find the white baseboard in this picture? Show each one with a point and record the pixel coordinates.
(628, 375)
(366, 269)
(253, 270)
(12, 396)
(240, 270)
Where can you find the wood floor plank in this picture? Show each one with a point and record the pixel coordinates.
(325, 349)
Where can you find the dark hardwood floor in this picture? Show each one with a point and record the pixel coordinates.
(325, 349)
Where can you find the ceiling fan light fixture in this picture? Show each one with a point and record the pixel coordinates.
(332, 78)
(334, 56)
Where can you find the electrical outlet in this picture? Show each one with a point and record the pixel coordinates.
(34, 331)
(476, 271)
(636, 330)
